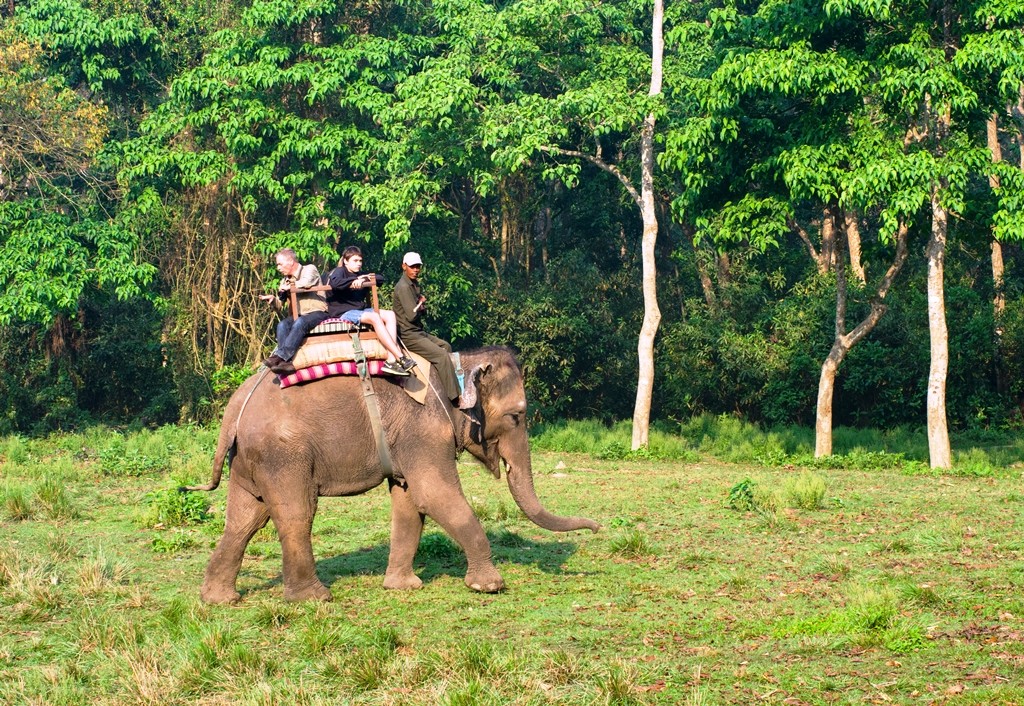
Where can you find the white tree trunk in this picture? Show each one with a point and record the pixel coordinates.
(938, 432)
(826, 392)
(998, 267)
(652, 314)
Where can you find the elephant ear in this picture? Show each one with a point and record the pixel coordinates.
(470, 392)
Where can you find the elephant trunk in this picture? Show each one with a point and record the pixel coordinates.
(519, 475)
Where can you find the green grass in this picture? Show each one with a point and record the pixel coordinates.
(859, 579)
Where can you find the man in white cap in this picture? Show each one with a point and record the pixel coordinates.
(409, 305)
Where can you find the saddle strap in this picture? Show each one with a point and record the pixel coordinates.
(373, 410)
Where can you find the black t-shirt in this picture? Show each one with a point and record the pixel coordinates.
(343, 297)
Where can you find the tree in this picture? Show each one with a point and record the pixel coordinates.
(786, 143)
(834, 110)
(601, 105)
(652, 314)
(55, 240)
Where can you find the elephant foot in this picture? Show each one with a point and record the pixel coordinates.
(486, 581)
(402, 580)
(215, 596)
(315, 592)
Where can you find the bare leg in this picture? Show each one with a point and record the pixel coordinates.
(383, 334)
(406, 530)
(245, 517)
(391, 322)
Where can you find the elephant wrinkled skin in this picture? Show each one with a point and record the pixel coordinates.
(287, 447)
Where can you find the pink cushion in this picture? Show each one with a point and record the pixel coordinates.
(344, 367)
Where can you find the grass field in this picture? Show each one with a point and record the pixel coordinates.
(866, 579)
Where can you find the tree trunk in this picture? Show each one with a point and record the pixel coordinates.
(852, 226)
(828, 239)
(806, 238)
(827, 381)
(724, 269)
(845, 341)
(706, 285)
(652, 314)
(1018, 113)
(938, 431)
(998, 268)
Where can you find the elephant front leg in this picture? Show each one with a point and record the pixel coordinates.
(406, 530)
(448, 506)
(244, 517)
(292, 511)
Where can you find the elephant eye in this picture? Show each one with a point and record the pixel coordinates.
(515, 417)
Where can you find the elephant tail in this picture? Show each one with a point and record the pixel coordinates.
(225, 451)
(227, 442)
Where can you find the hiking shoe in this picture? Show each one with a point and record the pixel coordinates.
(407, 363)
(393, 367)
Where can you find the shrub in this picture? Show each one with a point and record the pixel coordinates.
(806, 491)
(741, 496)
(632, 545)
(14, 450)
(169, 543)
(16, 503)
(54, 501)
(118, 459)
(173, 507)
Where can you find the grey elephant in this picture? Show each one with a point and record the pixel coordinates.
(287, 447)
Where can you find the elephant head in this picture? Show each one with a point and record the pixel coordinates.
(494, 400)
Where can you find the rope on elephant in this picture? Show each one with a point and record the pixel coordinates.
(238, 421)
(373, 410)
(451, 420)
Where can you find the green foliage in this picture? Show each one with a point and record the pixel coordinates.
(54, 501)
(438, 548)
(610, 443)
(633, 545)
(805, 492)
(871, 617)
(121, 458)
(111, 55)
(741, 496)
(575, 350)
(51, 256)
(172, 542)
(857, 459)
(16, 502)
(172, 507)
(238, 128)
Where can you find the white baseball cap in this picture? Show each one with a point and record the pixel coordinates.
(412, 258)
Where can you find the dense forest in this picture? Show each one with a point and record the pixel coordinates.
(838, 187)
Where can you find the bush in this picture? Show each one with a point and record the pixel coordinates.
(16, 502)
(54, 501)
(806, 491)
(173, 507)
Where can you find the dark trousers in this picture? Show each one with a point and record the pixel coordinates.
(438, 352)
(292, 332)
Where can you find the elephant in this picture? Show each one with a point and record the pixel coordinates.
(287, 447)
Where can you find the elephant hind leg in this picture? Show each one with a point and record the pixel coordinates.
(245, 516)
(406, 530)
(292, 507)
